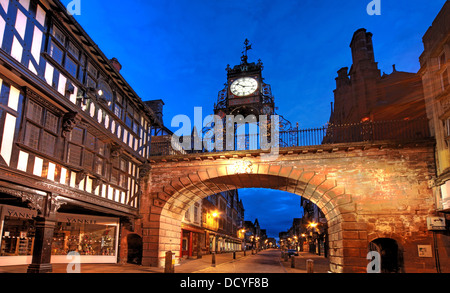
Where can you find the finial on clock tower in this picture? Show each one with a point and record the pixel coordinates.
(247, 47)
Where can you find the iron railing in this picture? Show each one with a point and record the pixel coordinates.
(370, 131)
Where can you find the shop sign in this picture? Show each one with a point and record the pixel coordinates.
(16, 212)
(85, 220)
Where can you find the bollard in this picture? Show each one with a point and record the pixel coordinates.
(293, 262)
(169, 267)
(310, 266)
(286, 256)
(244, 252)
(234, 254)
(213, 263)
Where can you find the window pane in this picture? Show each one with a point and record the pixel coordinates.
(129, 121)
(32, 136)
(34, 112)
(59, 35)
(118, 111)
(124, 165)
(74, 155)
(114, 176)
(48, 143)
(90, 141)
(92, 70)
(107, 92)
(73, 50)
(56, 53)
(98, 168)
(71, 66)
(51, 122)
(101, 148)
(88, 160)
(76, 136)
(123, 180)
(90, 82)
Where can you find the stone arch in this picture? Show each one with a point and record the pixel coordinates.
(337, 206)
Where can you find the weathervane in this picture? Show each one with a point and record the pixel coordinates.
(247, 47)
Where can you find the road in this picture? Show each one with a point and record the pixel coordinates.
(267, 261)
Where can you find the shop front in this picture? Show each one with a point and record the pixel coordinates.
(94, 238)
(192, 241)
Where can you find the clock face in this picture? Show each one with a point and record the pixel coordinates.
(244, 86)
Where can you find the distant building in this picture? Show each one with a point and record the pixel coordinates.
(392, 106)
(313, 228)
(435, 73)
(213, 224)
(364, 93)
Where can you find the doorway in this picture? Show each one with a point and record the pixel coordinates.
(134, 249)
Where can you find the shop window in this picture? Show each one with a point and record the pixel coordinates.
(84, 238)
(17, 237)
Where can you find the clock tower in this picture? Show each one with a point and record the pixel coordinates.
(245, 92)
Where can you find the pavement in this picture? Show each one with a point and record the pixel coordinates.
(224, 263)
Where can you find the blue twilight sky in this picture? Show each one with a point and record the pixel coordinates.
(177, 50)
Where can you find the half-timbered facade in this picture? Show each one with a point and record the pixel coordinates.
(74, 138)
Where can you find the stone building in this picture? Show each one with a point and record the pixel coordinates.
(213, 224)
(434, 71)
(363, 93)
(370, 105)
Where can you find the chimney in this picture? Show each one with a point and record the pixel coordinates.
(362, 46)
(342, 78)
(115, 63)
(157, 107)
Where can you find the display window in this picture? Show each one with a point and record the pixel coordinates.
(94, 238)
(17, 237)
(17, 230)
(86, 239)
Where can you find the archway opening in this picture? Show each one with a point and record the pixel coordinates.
(214, 223)
(169, 204)
(135, 249)
(391, 256)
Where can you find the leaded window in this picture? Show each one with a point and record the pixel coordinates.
(41, 129)
(86, 151)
